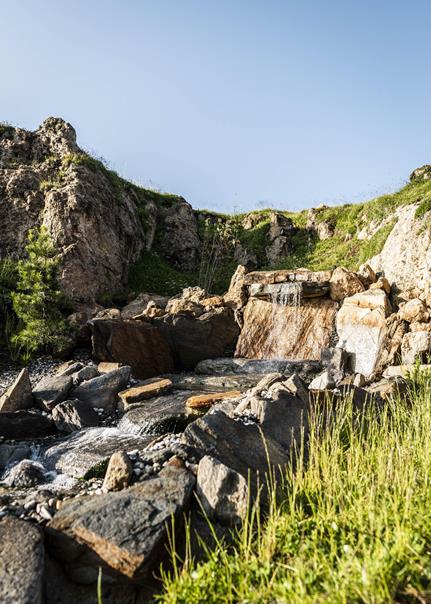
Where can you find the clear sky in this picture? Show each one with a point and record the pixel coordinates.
(235, 104)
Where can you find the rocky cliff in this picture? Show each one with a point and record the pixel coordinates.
(111, 234)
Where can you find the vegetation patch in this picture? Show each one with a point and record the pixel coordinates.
(351, 524)
(152, 274)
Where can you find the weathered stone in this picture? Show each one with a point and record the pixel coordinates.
(362, 329)
(79, 452)
(135, 343)
(52, 390)
(382, 283)
(119, 472)
(281, 230)
(18, 396)
(236, 296)
(102, 391)
(202, 401)
(180, 244)
(415, 346)
(26, 473)
(366, 274)
(388, 388)
(69, 367)
(421, 174)
(213, 383)
(222, 492)
(134, 545)
(73, 415)
(413, 311)
(21, 562)
(324, 228)
(25, 424)
(296, 386)
(343, 284)
(213, 334)
(417, 326)
(285, 276)
(158, 415)
(286, 332)
(336, 361)
(146, 390)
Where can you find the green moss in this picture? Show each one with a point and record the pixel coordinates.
(98, 470)
(423, 208)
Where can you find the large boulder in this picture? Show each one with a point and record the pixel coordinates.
(180, 244)
(129, 548)
(52, 390)
(192, 339)
(135, 343)
(293, 331)
(281, 230)
(22, 561)
(70, 416)
(236, 296)
(362, 329)
(18, 396)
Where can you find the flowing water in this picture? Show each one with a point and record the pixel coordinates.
(285, 327)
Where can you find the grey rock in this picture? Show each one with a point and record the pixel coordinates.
(323, 381)
(296, 386)
(74, 415)
(21, 562)
(415, 346)
(213, 383)
(135, 545)
(102, 391)
(70, 367)
(26, 473)
(79, 452)
(18, 396)
(160, 415)
(335, 360)
(51, 390)
(25, 424)
(222, 492)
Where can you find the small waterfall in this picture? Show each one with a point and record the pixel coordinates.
(284, 327)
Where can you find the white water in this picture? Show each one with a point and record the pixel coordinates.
(285, 327)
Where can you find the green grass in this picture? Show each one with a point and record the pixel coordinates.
(351, 525)
(153, 274)
(6, 128)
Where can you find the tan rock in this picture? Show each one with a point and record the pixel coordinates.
(236, 296)
(188, 307)
(413, 311)
(274, 331)
(144, 391)
(212, 302)
(366, 274)
(119, 472)
(206, 400)
(344, 283)
(18, 396)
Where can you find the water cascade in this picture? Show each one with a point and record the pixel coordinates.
(285, 327)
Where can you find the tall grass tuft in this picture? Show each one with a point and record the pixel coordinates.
(352, 524)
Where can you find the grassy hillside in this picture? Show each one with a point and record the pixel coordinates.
(351, 525)
(344, 248)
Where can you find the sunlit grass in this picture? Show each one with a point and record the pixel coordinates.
(352, 525)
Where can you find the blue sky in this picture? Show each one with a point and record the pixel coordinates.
(234, 104)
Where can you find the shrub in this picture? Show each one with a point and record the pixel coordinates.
(38, 302)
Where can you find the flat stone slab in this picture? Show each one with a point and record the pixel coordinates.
(203, 401)
(128, 529)
(284, 276)
(22, 560)
(144, 391)
(52, 389)
(288, 293)
(82, 450)
(214, 383)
